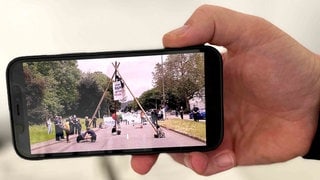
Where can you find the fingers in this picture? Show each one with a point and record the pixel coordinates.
(211, 24)
(207, 163)
(143, 163)
(202, 163)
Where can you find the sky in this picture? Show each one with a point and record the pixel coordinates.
(135, 71)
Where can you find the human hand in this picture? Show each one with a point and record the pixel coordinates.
(271, 91)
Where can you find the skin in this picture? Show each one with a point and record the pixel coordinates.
(271, 91)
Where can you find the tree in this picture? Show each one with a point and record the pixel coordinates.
(91, 88)
(50, 88)
(182, 75)
(68, 76)
(34, 92)
(151, 99)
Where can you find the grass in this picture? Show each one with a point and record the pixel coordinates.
(191, 128)
(39, 133)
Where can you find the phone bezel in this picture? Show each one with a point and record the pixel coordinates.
(213, 91)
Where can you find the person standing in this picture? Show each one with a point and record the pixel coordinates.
(72, 125)
(58, 128)
(196, 113)
(86, 122)
(154, 117)
(143, 117)
(49, 125)
(181, 112)
(66, 128)
(94, 122)
(78, 126)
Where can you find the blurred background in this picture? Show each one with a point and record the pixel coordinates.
(32, 27)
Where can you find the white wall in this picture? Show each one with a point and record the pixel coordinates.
(29, 27)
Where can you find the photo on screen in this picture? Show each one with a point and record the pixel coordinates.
(80, 105)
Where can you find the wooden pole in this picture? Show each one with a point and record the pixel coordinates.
(101, 100)
(116, 66)
(137, 101)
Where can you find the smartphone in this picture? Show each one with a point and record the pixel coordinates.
(114, 103)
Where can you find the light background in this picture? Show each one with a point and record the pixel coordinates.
(31, 27)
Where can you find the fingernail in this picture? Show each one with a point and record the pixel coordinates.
(224, 160)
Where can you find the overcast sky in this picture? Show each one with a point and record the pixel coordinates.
(136, 71)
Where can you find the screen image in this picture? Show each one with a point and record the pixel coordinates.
(122, 103)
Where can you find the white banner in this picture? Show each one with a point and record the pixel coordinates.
(117, 91)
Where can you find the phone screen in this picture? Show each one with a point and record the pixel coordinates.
(114, 103)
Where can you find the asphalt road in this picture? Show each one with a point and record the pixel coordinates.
(131, 137)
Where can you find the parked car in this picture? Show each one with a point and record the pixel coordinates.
(201, 115)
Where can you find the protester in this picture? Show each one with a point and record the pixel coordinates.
(93, 135)
(86, 121)
(181, 111)
(195, 113)
(49, 125)
(94, 122)
(154, 116)
(159, 132)
(76, 125)
(58, 128)
(66, 127)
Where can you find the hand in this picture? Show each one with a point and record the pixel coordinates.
(271, 91)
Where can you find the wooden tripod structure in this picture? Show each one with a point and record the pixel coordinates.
(117, 73)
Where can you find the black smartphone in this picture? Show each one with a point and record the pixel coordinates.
(123, 102)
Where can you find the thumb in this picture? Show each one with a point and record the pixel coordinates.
(214, 25)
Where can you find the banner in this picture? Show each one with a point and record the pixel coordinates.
(119, 92)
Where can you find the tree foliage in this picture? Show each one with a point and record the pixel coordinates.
(151, 99)
(181, 75)
(50, 88)
(91, 89)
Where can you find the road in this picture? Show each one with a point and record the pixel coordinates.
(131, 137)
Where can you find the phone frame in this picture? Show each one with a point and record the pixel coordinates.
(213, 92)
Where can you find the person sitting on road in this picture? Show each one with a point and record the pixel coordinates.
(83, 135)
(92, 134)
(160, 133)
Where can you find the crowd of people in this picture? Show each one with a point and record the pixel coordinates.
(72, 125)
(63, 128)
(194, 113)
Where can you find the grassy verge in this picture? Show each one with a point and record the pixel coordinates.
(191, 128)
(39, 133)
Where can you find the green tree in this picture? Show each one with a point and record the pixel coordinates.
(151, 99)
(68, 76)
(34, 93)
(181, 75)
(91, 88)
(50, 88)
